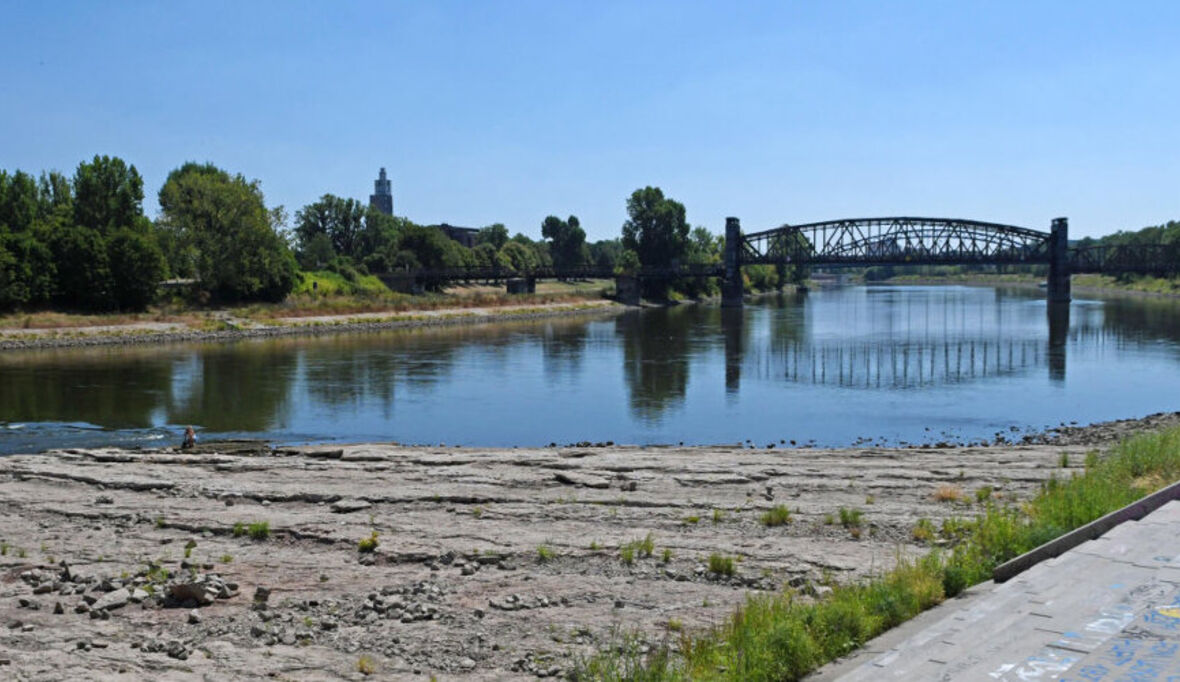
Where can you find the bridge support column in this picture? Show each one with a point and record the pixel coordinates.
(731, 286)
(1058, 282)
(627, 289)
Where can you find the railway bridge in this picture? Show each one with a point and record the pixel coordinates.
(853, 243)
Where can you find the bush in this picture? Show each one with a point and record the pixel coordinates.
(721, 564)
(777, 516)
(369, 544)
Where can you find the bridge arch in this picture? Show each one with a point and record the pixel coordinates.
(904, 240)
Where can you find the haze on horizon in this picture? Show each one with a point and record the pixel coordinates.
(511, 111)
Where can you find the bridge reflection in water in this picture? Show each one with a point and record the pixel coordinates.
(946, 349)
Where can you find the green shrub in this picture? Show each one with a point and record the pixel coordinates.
(850, 518)
(721, 564)
(777, 516)
(369, 544)
(259, 530)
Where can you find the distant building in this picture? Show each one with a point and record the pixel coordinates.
(382, 197)
(463, 235)
(382, 200)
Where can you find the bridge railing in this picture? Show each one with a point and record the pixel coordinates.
(483, 273)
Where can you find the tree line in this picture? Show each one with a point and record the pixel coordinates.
(83, 242)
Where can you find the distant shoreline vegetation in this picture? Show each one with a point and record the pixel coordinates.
(83, 243)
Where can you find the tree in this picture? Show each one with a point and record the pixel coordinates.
(342, 220)
(495, 234)
(519, 257)
(83, 269)
(18, 201)
(605, 253)
(656, 229)
(567, 241)
(108, 194)
(238, 253)
(138, 265)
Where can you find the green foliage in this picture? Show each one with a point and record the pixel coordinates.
(656, 229)
(983, 494)
(108, 195)
(850, 518)
(721, 564)
(628, 262)
(259, 530)
(567, 241)
(718, 516)
(640, 547)
(138, 264)
(924, 530)
(495, 235)
(239, 256)
(239, 529)
(339, 220)
(328, 283)
(777, 515)
(369, 544)
(545, 553)
(519, 257)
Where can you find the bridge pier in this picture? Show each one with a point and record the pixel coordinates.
(731, 285)
(627, 289)
(1058, 280)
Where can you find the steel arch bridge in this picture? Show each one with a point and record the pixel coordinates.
(862, 242)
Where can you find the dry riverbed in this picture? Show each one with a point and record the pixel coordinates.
(489, 564)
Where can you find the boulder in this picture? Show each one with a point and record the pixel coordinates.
(112, 600)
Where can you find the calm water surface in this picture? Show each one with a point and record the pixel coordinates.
(913, 364)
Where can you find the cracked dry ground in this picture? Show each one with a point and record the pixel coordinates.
(457, 586)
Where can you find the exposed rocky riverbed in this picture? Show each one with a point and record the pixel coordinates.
(488, 564)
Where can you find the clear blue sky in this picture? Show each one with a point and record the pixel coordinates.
(506, 112)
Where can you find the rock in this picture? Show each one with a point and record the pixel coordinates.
(112, 600)
(261, 594)
(82, 608)
(138, 595)
(104, 499)
(194, 617)
(629, 486)
(199, 591)
(43, 588)
(583, 480)
(349, 506)
(467, 664)
(58, 609)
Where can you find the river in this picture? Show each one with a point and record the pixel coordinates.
(835, 367)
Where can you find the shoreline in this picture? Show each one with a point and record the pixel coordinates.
(355, 323)
(1030, 283)
(484, 563)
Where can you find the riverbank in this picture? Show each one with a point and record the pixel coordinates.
(1150, 287)
(227, 327)
(236, 561)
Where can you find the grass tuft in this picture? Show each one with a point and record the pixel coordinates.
(777, 515)
(721, 564)
(369, 544)
(259, 530)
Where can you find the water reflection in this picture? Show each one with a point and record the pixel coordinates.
(655, 359)
(834, 364)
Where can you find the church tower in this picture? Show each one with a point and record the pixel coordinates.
(382, 197)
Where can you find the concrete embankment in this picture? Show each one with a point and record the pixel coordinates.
(238, 561)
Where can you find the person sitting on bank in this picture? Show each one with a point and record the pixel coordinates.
(190, 439)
